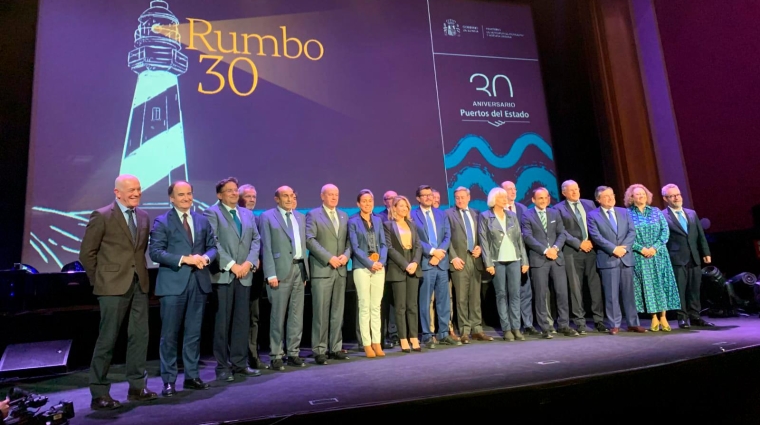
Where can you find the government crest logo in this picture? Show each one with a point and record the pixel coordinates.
(451, 28)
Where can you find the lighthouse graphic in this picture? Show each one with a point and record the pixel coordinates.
(154, 147)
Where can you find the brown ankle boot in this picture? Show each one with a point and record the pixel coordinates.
(369, 351)
(378, 350)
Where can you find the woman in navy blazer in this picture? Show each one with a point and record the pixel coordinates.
(505, 258)
(368, 255)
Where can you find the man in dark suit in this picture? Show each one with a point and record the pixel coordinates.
(526, 287)
(544, 236)
(435, 236)
(283, 240)
(247, 200)
(329, 251)
(387, 312)
(467, 264)
(688, 249)
(113, 255)
(237, 247)
(183, 244)
(612, 232)
(580, 258)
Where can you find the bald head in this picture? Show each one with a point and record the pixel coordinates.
(285, 198)
(511, 190)
(330, 196)
(388, 198)
(127, 190)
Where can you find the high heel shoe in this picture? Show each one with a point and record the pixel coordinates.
(655, 327)
(378, 349)
(369, 352)
(405, 346)
(415, 344)
(665, 326)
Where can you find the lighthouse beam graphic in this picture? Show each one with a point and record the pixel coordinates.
(154, 147)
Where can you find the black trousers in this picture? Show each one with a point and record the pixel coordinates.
(113, 309)
(689, 280)
(257, 291)
(232, 321)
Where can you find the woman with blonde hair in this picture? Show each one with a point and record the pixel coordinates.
(654, 282)
(403, 271)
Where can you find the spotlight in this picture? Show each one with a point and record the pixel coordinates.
(74, 267)
(725, 297)
(25, 267)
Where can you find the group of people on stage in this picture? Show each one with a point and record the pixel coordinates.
(410, 259)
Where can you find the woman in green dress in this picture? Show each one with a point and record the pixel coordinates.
(654, 281)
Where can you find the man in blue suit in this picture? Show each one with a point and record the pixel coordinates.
(435, 236)
(544, 236)
(526, 289)
(580, 258)
(612, 233)
(182, 242)
(283, 243)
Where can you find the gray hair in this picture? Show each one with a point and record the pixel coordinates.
(599, 190)
(245, 187)
(667, 187)
(567, 183)
(327, 186)
(460, 189)
(493, 194)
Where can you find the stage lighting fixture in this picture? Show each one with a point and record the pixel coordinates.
(73, 267)
(25, 267)
(725, 297)
(741, 290)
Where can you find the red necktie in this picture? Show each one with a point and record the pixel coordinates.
(187, 227)
(510, 208)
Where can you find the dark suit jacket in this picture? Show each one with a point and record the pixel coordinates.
(443, 232)
(383, 215)
(323, 243)
(605, 239)
(108, 254)
(169, 242)
(573, 234)
(397, 264)
(357, 234)
(458, 247)
(537, 239)
(520, 210)
(683, 245)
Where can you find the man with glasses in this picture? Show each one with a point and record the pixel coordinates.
(688, 249)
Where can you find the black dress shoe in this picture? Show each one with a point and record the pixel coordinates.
(320, 359)
(258, 364)
(248, 372)
(700, 322)
(568, 331)
(195, 384)
(340, 355)
(430, 343)
(225, 377)
(169, 389)
(387, 345)
(546, 335)
(277, 364)
(141, 395)
(295, 361)
(683, 324)
(600, 327)
(104, 403)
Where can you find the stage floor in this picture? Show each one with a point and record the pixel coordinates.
(444, 371)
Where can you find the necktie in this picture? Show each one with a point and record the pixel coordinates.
(289, 222)
(542, 216)
(509, 208)
(613, 223)
(580, 220)
(683, 221)
(468, 230)
(186, 225)
(238, 224)
(431, 229)
(334, 221)
(132, 225)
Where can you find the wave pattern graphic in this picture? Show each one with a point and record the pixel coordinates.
(472, 141)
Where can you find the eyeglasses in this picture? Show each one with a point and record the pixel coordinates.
(675, 195)
(229, 191)
(426, 195)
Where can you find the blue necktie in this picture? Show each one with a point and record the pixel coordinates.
(431, 229)
(289, 222)
(579, 217)
(611, 214)
(682, 220)
(131, 224)
(468, 230)
(237, 221)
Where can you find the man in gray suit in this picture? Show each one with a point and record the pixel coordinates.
(326, 239)
(467, 264)
(283, 242)
(231, 275)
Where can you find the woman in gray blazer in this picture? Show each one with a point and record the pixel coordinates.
(504, 257)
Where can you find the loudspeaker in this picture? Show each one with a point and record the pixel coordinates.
(36, 358)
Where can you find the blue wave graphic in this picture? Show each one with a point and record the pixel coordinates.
(528, 178)
(471, 141)
(535, 176)
(470, 177)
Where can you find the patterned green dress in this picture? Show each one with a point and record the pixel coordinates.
(653, 278)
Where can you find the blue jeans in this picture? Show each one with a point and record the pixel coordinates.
(435, 281)
(506, 283)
